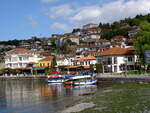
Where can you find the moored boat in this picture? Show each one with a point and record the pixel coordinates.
(55, 77)
(80, 80)
(85, 82)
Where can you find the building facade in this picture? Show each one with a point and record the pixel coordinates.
(117, 60)
(20, 58)
(85, 61)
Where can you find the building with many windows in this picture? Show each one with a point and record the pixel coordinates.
(117, 60)
(85, 61)
(45, 62)
(20, 58)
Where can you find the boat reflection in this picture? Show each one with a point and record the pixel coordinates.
(81, 90)
(60, 89)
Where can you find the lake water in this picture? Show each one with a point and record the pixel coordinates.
(37, 96)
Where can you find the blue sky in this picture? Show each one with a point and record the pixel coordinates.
(22, 19)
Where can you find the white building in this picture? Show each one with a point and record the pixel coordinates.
(20, 58)
(85, 61)
(61, 39)
(117, 60)
(64, 62)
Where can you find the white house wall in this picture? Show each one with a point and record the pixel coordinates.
(120, 60)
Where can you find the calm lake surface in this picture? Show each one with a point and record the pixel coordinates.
(37, 96)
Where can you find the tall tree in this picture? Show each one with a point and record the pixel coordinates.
(53, 66)
(143, 41)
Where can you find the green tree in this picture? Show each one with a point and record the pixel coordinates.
(53, 42)
(54, 63)
(92, 67)
(99, 68)
(142, 42)
(53, 66)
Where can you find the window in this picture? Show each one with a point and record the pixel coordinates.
(130, 59)
(20, 64)
(115, 68)
(25, 58)
(122, 67)
(13, 59)
(89, 62)
(40, 65)
(20, 58)
(115, 60)
(99, 60)
(109, 60)
(86, 62)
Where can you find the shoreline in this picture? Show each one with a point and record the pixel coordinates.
(101, 79)
(21, 77)
(124, 79)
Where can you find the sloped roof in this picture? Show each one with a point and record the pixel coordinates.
(117, 51)
(102, 40)
(19, 50)
(119, 37)
(59, 58)
(49, 58)
(79, 66)
(86, 58)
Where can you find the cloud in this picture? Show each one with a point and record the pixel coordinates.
(59, 26)
(110, 12)
(48, 1)
(59, 11)
(32, 22)
(86, 14)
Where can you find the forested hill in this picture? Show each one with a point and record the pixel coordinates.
(123, 26)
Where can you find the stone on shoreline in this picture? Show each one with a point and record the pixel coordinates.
(79, 107)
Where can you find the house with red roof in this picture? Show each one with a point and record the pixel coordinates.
(20, 58)
(119, 41)
(117, 60)
(85, 61)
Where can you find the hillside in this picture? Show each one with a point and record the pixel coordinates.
(123, 26)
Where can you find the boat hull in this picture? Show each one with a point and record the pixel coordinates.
(87, 82)
(55, 81)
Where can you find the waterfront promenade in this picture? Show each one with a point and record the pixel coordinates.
(143, 78)
(4, 77)
(107, 78)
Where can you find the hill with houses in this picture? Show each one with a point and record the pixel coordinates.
(109, 44)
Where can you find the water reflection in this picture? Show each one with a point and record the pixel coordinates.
(80, 90)
(36, 96)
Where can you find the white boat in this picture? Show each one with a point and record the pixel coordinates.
(56, 80)
(81, 77)
(85, 82)
(55, 77)
(80, 80)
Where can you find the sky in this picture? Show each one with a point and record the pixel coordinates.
(22, 19)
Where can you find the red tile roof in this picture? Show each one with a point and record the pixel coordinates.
(118, 37)
(49, 58)
(26, 55)
(117, 51)
(74, 67)
(86, 58)
(102, 40)
(19, 50)
(59, 59)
